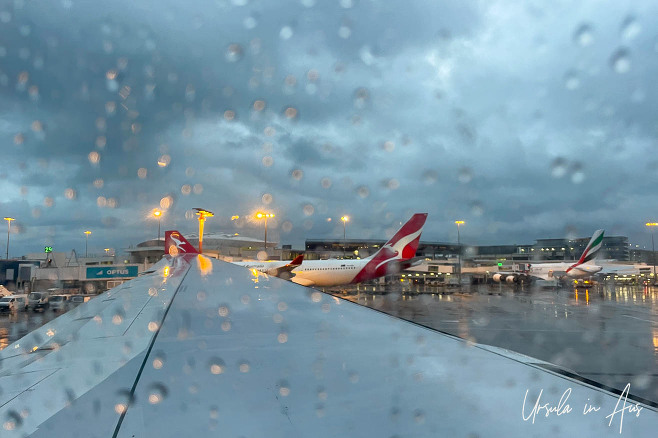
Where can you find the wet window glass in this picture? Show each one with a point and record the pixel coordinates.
(341, 217)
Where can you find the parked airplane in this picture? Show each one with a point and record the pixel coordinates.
(583, 268)
(175, 243)
(397, 254)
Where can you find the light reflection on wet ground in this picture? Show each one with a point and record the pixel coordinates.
(606, 334)
(14, 326)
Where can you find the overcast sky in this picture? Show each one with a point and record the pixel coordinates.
(525, 119)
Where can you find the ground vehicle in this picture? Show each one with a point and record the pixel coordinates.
(21, 301)
(8, 304)
(59, 302)
(38, 300)
(76, 300)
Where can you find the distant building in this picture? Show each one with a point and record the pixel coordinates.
(230, 247)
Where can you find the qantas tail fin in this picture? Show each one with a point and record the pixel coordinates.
(176, 244)
(405, 242)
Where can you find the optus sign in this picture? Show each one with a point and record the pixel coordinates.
(111, 272)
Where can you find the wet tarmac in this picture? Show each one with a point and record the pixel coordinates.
(607, 334)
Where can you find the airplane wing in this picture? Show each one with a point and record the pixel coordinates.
(285, 271)
(203, 348)
(592, 269)
(303, 281)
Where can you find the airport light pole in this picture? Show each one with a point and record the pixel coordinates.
(203, 214)
(651, 226)
(8, 219)
(459, 245)
(261, 215)
(87, 233)
(158, 214)
(345, 219)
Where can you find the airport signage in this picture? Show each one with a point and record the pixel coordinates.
(111, 272)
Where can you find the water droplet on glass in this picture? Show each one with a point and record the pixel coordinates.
(571, 81)
(361, 97)
(286, 33)
(290, 113)
(465, 175)
(583, 36)
(157, 392)
(244, 367)
(217, 366)
(284, 388)
(558, 167)
(363, 191)
(630, 28)
(620, 61)
(308, 210)
(234, 52)
(249, 22)
(344, 31)
(12, 421)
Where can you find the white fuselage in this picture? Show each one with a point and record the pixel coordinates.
(549, 271)
(327, 272)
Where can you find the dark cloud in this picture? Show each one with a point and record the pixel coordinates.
(525, 121)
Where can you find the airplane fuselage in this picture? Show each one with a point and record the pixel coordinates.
(327, 272)
(548, 271)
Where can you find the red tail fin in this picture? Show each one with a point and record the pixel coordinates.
(176, 244)
(406, 240)
(297, 260)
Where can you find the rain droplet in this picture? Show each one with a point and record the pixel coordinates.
(584, 36)
(558, 167)
(249, 22)
(393, 184)
(325, 183)
(223, 311)
(13, 421)
(577, 174)
(308, 210)
(465, 175)
(244, 367)
(217, 366)
(284, 388)
(234, 52)
(363, 191)
(620, 61)
(571, 81)
(290, 113)
(157, 392)
(286, 33)
(630, 28)
(430, 177)
(361, 97)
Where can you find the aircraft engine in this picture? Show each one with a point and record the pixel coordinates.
(510, 278)
(497, 278)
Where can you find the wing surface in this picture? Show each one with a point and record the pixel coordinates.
(243, 355)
